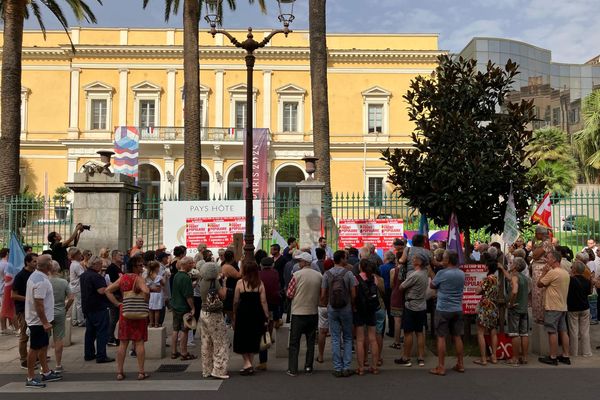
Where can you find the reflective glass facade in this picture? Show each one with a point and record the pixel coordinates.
(557, 89)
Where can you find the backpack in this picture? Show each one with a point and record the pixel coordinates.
(213, 302)
(338, 292)
(368, 295)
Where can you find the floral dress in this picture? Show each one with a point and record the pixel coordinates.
(487, 310)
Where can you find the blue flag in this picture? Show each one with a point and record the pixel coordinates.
(16, 256)
(454, 239)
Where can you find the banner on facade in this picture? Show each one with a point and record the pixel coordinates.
(474, 274)
(260, 158)
(380, 232)
(127, 147)
(190, 223)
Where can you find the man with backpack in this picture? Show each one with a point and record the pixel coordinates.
(338, 293)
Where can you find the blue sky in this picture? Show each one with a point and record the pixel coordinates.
(568, 28)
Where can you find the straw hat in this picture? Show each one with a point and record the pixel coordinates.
(189, 321)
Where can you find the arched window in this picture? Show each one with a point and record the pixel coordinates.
(204, 195)
(235, 186)
(285, 181)
(149, 182)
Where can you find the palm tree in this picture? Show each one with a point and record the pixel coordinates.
(319, 90)
(192, 139)
(588, 140)
(552, 161)
(14, 13)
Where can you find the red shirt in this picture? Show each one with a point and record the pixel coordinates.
(270, 279)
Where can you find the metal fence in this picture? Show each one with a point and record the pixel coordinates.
(32, 219)
(575, 218)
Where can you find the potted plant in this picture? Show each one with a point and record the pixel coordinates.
(60, 206)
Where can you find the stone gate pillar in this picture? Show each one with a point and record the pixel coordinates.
(311, 206)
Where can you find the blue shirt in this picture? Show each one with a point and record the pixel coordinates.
(385, 273)
(450, 284)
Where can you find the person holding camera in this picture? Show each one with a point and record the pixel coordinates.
(59, 248)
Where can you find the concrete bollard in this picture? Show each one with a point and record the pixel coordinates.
(68, 329)
(282, 340)
(155, 346)
(539, 340)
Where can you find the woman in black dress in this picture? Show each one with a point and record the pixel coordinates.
(250, 315)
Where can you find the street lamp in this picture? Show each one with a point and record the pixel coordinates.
(213, 17)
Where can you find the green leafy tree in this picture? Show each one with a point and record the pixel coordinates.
(588, 139)
(465, 154)
(552, 161)
(192, 152)
(14, 13)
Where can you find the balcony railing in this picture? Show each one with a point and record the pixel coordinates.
(176, 133)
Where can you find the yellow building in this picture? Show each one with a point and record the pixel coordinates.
(134, 77)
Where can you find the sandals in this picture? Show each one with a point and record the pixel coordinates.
(437, 371)
(374, 371)
(142, 376)
(360, 371)
(175, 356)
(188, 357)
(459, 368)
(320, 360)
(396, 346)
(120, 376)
(380, 362)
(481, 362)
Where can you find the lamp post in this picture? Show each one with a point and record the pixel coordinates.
(213, 17)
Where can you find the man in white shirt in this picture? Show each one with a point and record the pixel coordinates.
(75, 271)
(322, 244)
(39, 314)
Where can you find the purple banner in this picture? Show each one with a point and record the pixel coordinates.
(260, 159)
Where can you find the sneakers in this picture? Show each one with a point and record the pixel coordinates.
(337, 374)
(421, 362)
(112, 344)
(403, 362)
(290, 373)
(548, 360)
(51, 377)
(308, 370)
(34, 384)
(222, 377)
(23, 364)
(347, 373)
(104, 360)
(564, 360)
(59, 369)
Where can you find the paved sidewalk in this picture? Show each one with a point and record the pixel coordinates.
(73, 358)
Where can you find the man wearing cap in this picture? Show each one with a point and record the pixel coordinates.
(297, 267)
(304, 291)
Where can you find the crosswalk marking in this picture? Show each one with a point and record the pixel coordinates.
(122, 386)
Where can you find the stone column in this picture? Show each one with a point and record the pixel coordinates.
(123, 75)
(73, 131)
(311, 200)
(101, 201)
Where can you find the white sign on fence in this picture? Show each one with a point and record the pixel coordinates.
(190, 223)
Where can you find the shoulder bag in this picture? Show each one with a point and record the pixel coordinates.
(135, 305)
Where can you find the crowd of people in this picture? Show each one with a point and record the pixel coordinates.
(349, 295)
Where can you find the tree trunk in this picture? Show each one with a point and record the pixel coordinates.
(320, 102)
(10, 139)
(192, 130)
(467, 245)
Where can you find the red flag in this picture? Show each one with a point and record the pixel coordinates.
(543, 212)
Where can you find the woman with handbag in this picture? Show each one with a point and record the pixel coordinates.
(250, 315)
(213, 331)
(133, 315)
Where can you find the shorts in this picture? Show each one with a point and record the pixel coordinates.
(555, 321)
(518, 323)
(414, 321)
(364, 318)
(38, 337)
(178, 321)
(323, 318)
(396, 312)
(380, 317)
(58, 326)
(449, 323)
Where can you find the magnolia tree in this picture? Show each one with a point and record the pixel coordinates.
(466, 154)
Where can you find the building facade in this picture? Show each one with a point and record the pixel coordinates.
(557, 89)
(72, 103)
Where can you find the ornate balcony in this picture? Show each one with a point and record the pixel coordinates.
(175, 133)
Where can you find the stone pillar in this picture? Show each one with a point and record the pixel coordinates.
(311, 198)
(101, 201)
(73, 131)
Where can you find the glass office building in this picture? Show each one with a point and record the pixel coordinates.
(557, 88)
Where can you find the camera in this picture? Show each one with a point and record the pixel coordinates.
(86, 227)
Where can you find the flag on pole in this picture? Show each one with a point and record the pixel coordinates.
(543, 212)
(454, 242)
(16, 256)
(424, 230)
(511, 228)
(277, 238)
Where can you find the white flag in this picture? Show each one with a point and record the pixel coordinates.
(511, 228)
(277, 238)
